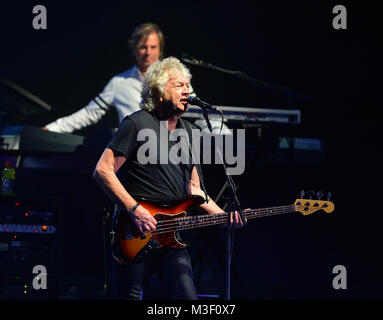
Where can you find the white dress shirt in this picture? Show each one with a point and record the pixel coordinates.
(122, 92)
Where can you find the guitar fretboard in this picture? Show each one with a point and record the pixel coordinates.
(198, 221)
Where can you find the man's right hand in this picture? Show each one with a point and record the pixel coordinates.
(143, 220)
(44, 128)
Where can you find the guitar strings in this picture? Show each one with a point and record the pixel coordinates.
(196, 219)
(216, 219)
(220, 216)
(175, 225)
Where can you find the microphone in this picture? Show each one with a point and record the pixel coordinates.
(197, 102)
(187, 57)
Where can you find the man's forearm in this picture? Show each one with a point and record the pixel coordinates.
(210, 207)
(113, 188)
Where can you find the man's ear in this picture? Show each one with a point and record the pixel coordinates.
(157, 95)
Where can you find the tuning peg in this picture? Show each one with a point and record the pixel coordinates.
(310, 194)
(319, 194)
(302, 194)
(328, 196)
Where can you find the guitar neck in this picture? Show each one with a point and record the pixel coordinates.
(199, 221)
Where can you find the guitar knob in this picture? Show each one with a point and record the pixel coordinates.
(320, 195)
(328, 196)
(302, 194)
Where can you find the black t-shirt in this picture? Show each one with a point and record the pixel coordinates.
(155, 180)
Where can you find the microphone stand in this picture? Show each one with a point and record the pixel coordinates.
(233, 205)
(289, 93)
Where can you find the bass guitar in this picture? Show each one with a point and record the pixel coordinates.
(173, 217)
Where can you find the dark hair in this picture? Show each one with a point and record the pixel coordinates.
(143, 30)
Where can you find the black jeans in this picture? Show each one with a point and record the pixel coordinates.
(165, 274)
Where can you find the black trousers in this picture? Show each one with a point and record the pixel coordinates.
(165, 274)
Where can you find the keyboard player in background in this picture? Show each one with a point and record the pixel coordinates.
(123, 91)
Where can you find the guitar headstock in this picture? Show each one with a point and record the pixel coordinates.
(308, 206)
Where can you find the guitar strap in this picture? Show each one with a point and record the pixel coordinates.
(189, 131)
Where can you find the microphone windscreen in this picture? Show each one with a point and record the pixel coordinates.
(193, 100)
(185, 55)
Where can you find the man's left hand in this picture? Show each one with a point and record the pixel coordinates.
(235, 220)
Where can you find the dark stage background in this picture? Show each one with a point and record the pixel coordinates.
(332, 76)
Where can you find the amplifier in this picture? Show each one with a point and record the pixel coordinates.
(27, 239)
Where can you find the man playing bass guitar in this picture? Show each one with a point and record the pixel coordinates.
(164, 97)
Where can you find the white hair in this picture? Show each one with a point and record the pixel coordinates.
(156, 77)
